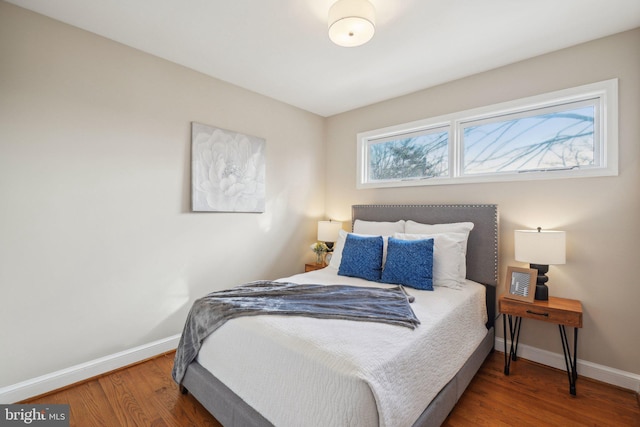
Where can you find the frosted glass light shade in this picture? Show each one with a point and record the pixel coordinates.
(328, 231)
(544, 247)
(351, 22)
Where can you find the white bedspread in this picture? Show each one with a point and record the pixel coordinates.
(299, 371)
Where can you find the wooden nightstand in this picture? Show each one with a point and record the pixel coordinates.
(560, 311)
(313, 266)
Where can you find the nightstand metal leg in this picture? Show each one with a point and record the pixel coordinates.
(570, 363)
(507, 356)
(514, 336)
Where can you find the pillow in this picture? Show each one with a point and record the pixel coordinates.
(378, 228)
(449, 260)
(409, 263)
(362, 257)
(412, 227)
(336, 256)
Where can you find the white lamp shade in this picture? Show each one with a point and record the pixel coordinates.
(351, 22)
(328, 231)
(544, 247)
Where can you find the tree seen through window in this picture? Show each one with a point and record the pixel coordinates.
(416, 157)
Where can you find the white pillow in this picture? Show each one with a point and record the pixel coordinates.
(336, 256)
(378, 228)
(449, 260)
(412, 227)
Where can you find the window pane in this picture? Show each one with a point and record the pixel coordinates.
(421, 156)
(561, 139)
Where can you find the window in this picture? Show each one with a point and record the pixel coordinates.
(558, 138)
(420, 155)
(564, 134)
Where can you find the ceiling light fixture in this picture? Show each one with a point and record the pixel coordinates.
(351, 22)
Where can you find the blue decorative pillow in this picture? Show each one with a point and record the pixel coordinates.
(409, 263)
(362, 257)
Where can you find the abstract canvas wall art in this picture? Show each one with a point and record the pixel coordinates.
(227, 170)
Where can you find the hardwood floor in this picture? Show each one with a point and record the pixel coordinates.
(140, 395)
(533, 395)
(536, 395)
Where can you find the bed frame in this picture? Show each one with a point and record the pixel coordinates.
(482, 267)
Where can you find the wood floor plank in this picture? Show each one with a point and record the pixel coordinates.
(146, 394)
(182, 406)
(154, 383)
(89, 403)
(119, 388)
(531, 396)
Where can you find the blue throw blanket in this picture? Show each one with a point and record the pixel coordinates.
(264, 297)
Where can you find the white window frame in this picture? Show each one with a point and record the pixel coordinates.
(605, 136)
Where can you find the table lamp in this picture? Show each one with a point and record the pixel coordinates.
(328, 232)
(540, 248)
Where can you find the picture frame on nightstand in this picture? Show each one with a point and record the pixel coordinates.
(520, 283)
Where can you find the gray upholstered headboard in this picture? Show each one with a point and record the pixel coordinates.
(482, 247)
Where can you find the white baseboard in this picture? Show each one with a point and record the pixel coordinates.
(55, 380)
(595, 371)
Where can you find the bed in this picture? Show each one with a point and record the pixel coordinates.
(281, 370)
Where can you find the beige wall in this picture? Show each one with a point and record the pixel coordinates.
(600, 215)
(99, 251)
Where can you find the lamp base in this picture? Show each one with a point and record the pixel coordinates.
(542, 291)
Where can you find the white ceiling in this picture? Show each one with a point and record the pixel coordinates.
(280, 48)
